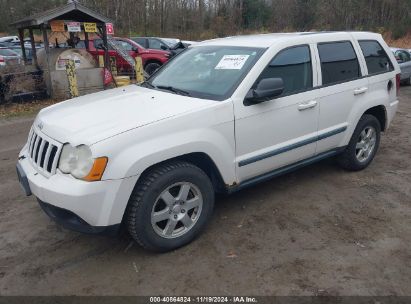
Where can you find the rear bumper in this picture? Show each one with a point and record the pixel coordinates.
(391, 110)
(71, 221)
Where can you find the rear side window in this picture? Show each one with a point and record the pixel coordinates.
(339, 63)
(376, 58)
(156, 44)
(141, 41)
(294, 66)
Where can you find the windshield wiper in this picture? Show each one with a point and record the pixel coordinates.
(174, 90)
(147, 84)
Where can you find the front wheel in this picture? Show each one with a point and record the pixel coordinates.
(363, 145)
(170, 206)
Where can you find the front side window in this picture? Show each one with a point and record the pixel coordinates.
(339, 62)
(376, 58)
(294, 66)
(209, 72)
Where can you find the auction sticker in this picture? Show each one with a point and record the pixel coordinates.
(232, 62)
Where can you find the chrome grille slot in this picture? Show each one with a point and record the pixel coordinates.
(43, 152)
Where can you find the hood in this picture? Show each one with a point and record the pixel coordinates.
(95, 117)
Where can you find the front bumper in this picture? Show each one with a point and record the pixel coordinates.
(90, 207)
(72, 221)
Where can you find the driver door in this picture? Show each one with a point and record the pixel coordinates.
(281, 131)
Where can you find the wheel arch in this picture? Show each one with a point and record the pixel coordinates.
(380, 113)
(201, 160)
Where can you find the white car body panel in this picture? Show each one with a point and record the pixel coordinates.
(92, 118)
(137, 127)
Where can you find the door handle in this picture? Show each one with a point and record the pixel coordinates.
(307, 105)
(360, 91)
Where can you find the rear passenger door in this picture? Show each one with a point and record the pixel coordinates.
(342, 86)
(381, 74)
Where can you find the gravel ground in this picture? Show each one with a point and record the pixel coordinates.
(318, 231)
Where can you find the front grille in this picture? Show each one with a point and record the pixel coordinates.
(43, 152)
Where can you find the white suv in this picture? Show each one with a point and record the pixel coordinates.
(223, 115)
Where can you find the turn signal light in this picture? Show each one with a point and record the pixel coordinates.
(96, 172)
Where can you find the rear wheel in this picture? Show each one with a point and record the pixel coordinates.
(363, 145)
(170, 206)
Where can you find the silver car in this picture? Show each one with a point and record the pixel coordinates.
(8, 57)
(403, 57)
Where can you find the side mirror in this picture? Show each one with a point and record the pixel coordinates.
(266, 89)
(135, 49)
(163, 47)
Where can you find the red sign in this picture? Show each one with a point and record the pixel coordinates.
(110, 28)
(107, 77)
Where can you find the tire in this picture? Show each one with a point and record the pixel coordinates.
(151, 68)
(352, 159)
(146, 206)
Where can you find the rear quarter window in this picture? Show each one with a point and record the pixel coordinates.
(376, 58)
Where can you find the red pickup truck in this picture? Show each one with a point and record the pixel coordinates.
(152, 59)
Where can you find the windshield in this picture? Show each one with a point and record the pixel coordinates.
(170, 41)
(7, 52)
(209, 72)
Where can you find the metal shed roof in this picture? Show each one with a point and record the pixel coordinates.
(72, 11)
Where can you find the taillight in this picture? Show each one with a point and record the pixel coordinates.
(1, 59)
(398, 81)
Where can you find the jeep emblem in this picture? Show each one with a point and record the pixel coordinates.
(40, 125)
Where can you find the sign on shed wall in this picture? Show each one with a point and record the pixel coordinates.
(110, 28)
(57, 26)
(90, 27)
(73, 26)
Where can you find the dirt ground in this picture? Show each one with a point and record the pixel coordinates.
(318, 231)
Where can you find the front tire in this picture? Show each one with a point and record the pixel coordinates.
(170, 205)
(363, 145)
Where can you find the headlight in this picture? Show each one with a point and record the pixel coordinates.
(78, 162)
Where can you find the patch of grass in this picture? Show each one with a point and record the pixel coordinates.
(24, 109)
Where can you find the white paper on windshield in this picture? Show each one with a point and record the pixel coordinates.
(232, 62)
